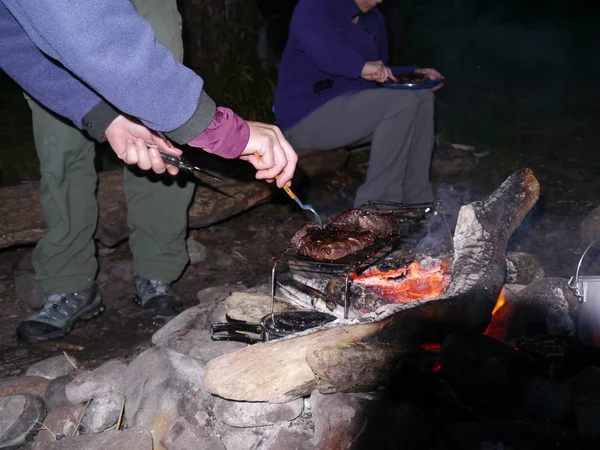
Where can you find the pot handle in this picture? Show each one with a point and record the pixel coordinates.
(574, 283)
(235, 336)
(231, 332)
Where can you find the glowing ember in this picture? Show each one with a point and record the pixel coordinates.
(406, 284)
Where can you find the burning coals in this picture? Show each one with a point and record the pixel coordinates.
(418, 280)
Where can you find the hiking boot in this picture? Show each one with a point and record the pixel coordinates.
(58, 314)
(157, 296)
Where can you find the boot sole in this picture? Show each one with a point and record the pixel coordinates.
(86, 314)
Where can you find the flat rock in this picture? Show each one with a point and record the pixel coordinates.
(184, 436)
(103, 412)
(24, 385)
(291, 439)
(108, 377)
(251, 307)
(131, 439)
(256, 414)
(246, 438)
(57, 424)
(197, 344)
(54, 367)
(19, 418)
(160, 386)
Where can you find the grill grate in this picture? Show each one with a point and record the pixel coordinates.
(406, 218)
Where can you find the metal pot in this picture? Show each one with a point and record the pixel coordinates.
(272, 326)
(587, 291)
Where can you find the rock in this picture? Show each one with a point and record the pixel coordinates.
(337, 417)
(544, 307)
(24, 385)
(184, 436)
(20, 416)
(59, 423)
(197, 344)
(131, 439)
(251, 307)
(290, 439)
(103, 412)
(55, 392)
(256, 414)
(196, 251)
(586, 401)
(212, 296)
(27, 287)
(246, 438)
(52, 368)
(108, 377)
(220, 259)
(522, 268)
(160, 386)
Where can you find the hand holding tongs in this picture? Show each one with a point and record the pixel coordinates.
(180, 162)
(289, 192)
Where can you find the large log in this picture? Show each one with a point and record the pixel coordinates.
(22, 220)
(278, 370)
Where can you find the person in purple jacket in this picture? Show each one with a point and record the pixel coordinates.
(328, 97)
(100, 65)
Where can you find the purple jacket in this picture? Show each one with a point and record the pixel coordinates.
(324, 44)
(119, 67)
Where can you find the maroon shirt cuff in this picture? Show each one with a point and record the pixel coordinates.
(226, 136)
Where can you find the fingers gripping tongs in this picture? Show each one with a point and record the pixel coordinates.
(181, 163)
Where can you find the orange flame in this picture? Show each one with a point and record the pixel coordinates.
(406, 284)
(502, 315)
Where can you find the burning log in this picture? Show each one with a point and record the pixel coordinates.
(278, 371)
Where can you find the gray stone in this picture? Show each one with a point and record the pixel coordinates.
(160, 386)
(58, 423)
(108, 377)
(24, 385)
(103, 412)
(544, 307)
(256, 414)
(337, 419)
(246, 438)
(27, 287)
(185, 436)
(291, 439)
(251, 307)
(131, 439)
(522, 268)
(198, 344)
(196, 251)
(55, 392)
(52, 368)
(212, 296)
(19, 418)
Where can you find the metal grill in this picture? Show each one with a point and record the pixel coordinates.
(406, 218)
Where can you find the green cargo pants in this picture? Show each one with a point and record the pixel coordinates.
(65, 258)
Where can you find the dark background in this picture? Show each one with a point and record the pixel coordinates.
(521, 75)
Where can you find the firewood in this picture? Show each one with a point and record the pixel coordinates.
(278, 370)
(356, 367)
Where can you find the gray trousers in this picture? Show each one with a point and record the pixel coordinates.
(399, 125)
(65, 258)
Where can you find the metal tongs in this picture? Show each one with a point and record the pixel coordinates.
(180, 162)
(289, 192)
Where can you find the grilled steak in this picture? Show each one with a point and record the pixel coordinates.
(349, 233)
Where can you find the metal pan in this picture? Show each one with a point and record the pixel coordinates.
(271, 326)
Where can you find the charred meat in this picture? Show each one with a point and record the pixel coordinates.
(348, 233)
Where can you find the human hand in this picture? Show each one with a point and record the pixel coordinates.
(433, 75)
(376, 71)
(270, 153)
(134, 143)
